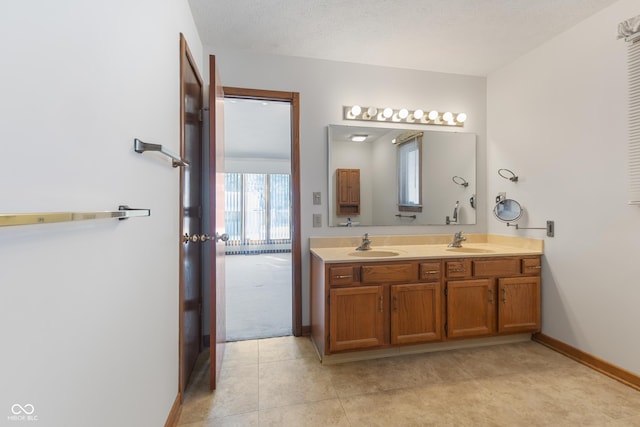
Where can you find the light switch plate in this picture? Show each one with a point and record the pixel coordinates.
(317, 198)
(317, 220)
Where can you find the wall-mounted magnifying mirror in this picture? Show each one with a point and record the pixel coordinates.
(508, 210)
(368, 176)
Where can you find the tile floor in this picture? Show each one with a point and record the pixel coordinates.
(280, 382)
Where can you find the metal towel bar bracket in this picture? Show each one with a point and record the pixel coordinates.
(123, 212)
(551, 228)
(141, 147)
(406, 216)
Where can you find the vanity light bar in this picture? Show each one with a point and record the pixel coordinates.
(402, 115)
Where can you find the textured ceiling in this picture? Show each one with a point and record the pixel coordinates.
(455, 36)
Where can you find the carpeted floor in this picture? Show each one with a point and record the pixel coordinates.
(258, 296)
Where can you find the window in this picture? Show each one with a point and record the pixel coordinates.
(257, 212)
(410, 174)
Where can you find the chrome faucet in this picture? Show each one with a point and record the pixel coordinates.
(366, 243)
(457, 240)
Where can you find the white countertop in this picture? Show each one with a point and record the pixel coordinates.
(420, 247)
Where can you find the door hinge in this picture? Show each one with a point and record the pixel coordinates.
(446, 328)
(328, 299)
(446, 291)
(328, 339)
(200, 115)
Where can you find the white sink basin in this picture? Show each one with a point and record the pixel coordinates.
(374, 253)
(470, 250)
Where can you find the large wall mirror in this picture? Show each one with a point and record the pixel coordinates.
(365, 180)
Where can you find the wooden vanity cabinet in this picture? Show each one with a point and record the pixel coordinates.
(348, 192)
(380, 304)
(518, 304)
(375, 305)
(471, 308)
(356, 319)
(495, 296)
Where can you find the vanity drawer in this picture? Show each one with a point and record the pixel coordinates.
(430, 271)
(458, 268)
(388, 273)
(342, 275)
(531, 265)
(497, 267)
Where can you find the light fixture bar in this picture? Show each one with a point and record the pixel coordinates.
(404, 116)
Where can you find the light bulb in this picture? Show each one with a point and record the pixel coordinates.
(447, 117)
(433, 114)
(372, 111)
(418, 114)
(403, 114)
(388, 112)
(461, 117)
(356, 110)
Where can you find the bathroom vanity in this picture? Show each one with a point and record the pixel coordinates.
(414, 290)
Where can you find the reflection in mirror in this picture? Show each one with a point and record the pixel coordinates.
(508, 210)
(444, 155)
(409, 172)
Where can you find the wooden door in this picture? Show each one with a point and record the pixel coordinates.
(217, 300)
(356, 317)
(190, 279)
(415, 313)
(519, 304)
(471, 309)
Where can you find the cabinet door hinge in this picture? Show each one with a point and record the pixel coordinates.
(328, 299)
(446, 328)
(200, 115)
(446, 291)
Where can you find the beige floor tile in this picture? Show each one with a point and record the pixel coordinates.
(315, 414)
(387, 408)
(351, 379)
(236, 393)
(465, 403)
(540, 403)
(625, 422)
(281, 382)
(294, 381)
(240, 353)
(285, 348)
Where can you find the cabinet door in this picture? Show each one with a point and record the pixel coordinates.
(415, 313)
(356, 317)
(354, 186)
(519, 304)
(344, 186)
(471, 309)
(348, 189)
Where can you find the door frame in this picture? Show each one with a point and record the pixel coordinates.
(296, 249)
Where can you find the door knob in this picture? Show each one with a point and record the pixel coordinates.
(224, 237)
(187, 238)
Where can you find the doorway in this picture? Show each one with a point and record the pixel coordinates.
(262, 214)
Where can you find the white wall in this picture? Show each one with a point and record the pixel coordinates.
(89, 311)
(557, 117)
(326, 86)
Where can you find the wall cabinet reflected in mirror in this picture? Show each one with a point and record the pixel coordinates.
(444, 155)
